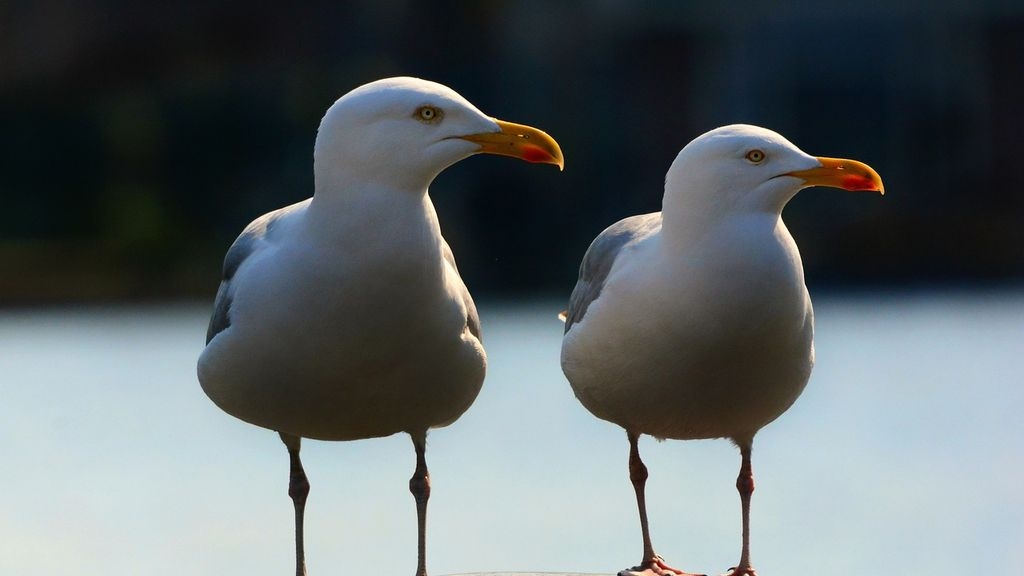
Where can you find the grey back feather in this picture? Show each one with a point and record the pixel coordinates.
(472, 317)
(243, 247)
(597, 262)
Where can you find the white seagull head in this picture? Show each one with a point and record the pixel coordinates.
(749, 168)
(402, 132)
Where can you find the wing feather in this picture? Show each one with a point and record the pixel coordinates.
(247, 243)
(600, 257)
(472, 317)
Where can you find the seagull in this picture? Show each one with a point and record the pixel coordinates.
(694, 322)
(343, 316)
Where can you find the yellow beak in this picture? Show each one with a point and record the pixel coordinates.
(519, 141)
(842, 173)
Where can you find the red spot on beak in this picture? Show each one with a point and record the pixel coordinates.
(856, 182)
(533, 153)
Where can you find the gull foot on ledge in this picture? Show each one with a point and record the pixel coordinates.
(734, 571)
(655, 567)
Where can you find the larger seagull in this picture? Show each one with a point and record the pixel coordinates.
(694, 322)
(343, 316)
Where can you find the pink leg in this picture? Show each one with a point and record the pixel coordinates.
(419, 485)
(651, 563)
(298, 489)
(745, 486)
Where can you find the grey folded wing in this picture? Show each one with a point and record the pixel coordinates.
(600, 257)
(472, 317)
(243, 247)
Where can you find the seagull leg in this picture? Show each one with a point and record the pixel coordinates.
(651, 563)
(745, 486)
(419, 485)
(298, 489)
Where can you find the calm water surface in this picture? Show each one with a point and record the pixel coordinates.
(904, 456)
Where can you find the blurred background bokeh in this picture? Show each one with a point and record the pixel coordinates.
(138, 139)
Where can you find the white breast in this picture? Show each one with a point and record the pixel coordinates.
(714, 340)
(348, 331)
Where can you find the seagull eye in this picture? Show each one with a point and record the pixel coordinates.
(755, 156)
(428, 114)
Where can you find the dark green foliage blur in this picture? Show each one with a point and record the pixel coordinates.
(137, 139)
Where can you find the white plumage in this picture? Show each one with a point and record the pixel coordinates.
(695, 322)
(344, 316)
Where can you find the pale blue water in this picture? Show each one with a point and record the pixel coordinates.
(904, 456)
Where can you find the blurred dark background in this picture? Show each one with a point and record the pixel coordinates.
(137, 139)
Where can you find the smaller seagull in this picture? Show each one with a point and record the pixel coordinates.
(694, 322)
(343, 316)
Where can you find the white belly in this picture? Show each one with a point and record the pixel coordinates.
(312, 353)
(682, 350)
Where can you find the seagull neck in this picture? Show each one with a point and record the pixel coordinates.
(359, 209)
(687, 222)
(344, 183)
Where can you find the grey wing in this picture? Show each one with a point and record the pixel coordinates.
(472, 317)
(243, 247)
(597, 262)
